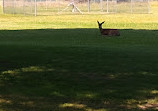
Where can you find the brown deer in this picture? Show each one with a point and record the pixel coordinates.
(108, 32)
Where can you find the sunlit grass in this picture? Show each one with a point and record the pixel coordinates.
(79, 107)
(27, 69)
(121, 21)
(3, 101)
(72, 105)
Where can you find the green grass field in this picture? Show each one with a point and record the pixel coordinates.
(62, 63)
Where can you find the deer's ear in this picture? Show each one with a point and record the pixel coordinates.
(98, 21)
(102, 22)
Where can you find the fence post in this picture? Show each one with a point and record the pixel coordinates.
(88, 5)
(35, 8)
(3, 7)
(31, 7)
(107, 6)
(13, 7)
(101, 1)
(131, 6)
(46, 5)
(58, 2)
(115, 6)
(148, 6)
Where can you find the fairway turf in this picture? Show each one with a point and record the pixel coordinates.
(62, 63)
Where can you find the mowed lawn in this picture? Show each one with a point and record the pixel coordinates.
(62, 63)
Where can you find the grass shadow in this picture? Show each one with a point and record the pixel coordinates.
(78, 70)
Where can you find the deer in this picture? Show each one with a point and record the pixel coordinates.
(108, 32)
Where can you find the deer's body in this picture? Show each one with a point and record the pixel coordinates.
(108, 32)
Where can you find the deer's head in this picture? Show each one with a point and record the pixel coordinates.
(100, 24)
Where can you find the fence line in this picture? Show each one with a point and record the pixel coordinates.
(49, 7)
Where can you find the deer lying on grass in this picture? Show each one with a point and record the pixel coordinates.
(108, 32)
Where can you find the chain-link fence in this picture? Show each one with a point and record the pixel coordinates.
(49, 7)
(26, 7)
